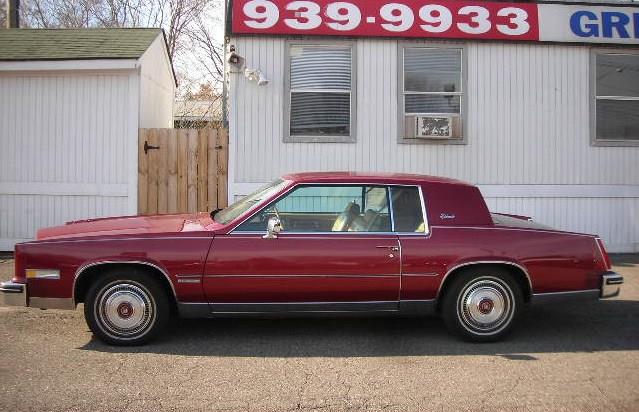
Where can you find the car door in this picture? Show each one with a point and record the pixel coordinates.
(336, 252)
(421, 271)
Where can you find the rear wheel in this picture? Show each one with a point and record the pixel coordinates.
(126, 307)
(481, 305)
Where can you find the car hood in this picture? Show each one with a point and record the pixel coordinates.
(128, 225)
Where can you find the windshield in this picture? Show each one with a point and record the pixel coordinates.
(241, 206)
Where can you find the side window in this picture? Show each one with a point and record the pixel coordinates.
(349, 208)
(407, 209)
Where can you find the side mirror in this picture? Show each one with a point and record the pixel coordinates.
(273, 228)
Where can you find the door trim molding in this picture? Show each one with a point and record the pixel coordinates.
(404, 307)
(304, 276)
(296, 307)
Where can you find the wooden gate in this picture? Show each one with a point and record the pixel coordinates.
(182, 170)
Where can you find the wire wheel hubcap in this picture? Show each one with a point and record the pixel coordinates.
(125, 310)
(485, 306)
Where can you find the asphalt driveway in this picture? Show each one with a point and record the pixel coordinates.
(576, 357)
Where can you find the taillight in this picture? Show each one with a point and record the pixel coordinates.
(19, 276)
(604, 254)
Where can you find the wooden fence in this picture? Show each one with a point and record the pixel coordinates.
(182, 170)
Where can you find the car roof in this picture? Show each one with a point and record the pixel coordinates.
(364, 177)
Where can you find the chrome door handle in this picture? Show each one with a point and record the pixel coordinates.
(391, 248)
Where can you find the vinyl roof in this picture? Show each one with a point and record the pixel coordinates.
(75, 44)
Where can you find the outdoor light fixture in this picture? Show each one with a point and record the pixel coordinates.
(239, 62)
(233, 58)
(255, 75)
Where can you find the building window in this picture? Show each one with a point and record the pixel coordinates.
(432, 95)
(320, 93)
(616, 99)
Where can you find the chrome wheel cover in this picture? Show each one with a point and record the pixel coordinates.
(485, 306)
(125, 310)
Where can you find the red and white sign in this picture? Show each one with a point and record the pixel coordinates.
(438, 19)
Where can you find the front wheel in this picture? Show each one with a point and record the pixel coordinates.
(481, 305)
(126, 307)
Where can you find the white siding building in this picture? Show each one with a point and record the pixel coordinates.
(547, 125)
(71, 103)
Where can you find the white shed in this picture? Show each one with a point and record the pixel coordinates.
(71, 104)
(536, 103)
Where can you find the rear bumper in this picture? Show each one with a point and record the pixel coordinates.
(13, 294)
(610, 285)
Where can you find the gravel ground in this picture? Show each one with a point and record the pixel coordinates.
(576, 357)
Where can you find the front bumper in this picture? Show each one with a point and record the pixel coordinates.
(610, 285)
(13, 294)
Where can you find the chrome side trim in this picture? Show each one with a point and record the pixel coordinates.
(302, 312)
(301, 276)
(515, 229)
(598, 242)
(426, 224)
(401, 263)
(391, 213)
(52, 303)
(480, 262)
(296, 307)
(254, 210)
(419, 275)
(82, 268)
(312, 234)
(406, 307)
(43, 242)
(550, 297)
(428, 232)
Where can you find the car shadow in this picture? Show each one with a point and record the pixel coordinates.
(596, 326)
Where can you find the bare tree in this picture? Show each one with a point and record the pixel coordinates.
(3, 14)
(58, 13)
(209, 51)
(189, 26)
(182, 14)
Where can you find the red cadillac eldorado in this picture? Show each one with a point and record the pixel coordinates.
(313, 243)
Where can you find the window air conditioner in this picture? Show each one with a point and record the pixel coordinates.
(433, 127)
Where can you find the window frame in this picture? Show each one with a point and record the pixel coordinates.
(594, 141)
(388, 187)
(352, 137)
(401, 93)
